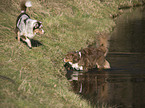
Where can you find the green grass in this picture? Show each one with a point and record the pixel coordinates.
(36, 77)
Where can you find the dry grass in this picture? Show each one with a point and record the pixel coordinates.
(36, 77)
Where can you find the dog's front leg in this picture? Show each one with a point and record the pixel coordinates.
(18, 36)
(28, 42)
(98, 66)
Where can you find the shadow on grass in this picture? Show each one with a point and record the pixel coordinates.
(7, 78)
(34, 43)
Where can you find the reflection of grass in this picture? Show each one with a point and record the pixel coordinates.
(38, 73)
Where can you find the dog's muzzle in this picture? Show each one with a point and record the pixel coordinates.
(42, 31)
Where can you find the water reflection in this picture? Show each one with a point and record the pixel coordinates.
(119, 89)
(129, 33)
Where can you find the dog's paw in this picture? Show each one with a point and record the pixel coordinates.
(30, 47)
(107, 65)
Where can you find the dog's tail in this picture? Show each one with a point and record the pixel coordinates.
(24, 4)
(103, 42)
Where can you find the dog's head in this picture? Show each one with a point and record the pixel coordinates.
(72, 57)
(38, 28)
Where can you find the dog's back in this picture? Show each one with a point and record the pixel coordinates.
(23, 16)
(21, 21)
(95, 55)
(90, 56)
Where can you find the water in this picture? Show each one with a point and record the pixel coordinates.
(129, 34)
(122, 86)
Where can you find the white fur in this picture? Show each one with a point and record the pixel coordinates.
(81, 88)
(27, 28)
(76, 66)
(107, 65)
(42, 31)
(98, 66)
(28, 4)
(28, 42)
(22, 11)
(80, 54)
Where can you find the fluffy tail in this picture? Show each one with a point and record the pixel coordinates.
(24, 4)
(103, 42)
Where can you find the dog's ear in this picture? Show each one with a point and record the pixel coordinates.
(37, 25)
(76, 57)
(68, 56)
(82, 52)
(40, 24)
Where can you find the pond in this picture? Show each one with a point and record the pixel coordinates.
(122, 86)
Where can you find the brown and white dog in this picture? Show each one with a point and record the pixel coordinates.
(88, 58)
(26, 28)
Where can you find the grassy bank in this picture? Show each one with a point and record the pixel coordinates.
(36, 77)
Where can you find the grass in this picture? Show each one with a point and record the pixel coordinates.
(36, 77)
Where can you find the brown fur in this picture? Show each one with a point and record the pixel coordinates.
(38, 31)
(91, 56)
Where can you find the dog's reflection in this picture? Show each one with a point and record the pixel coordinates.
(88, 83)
